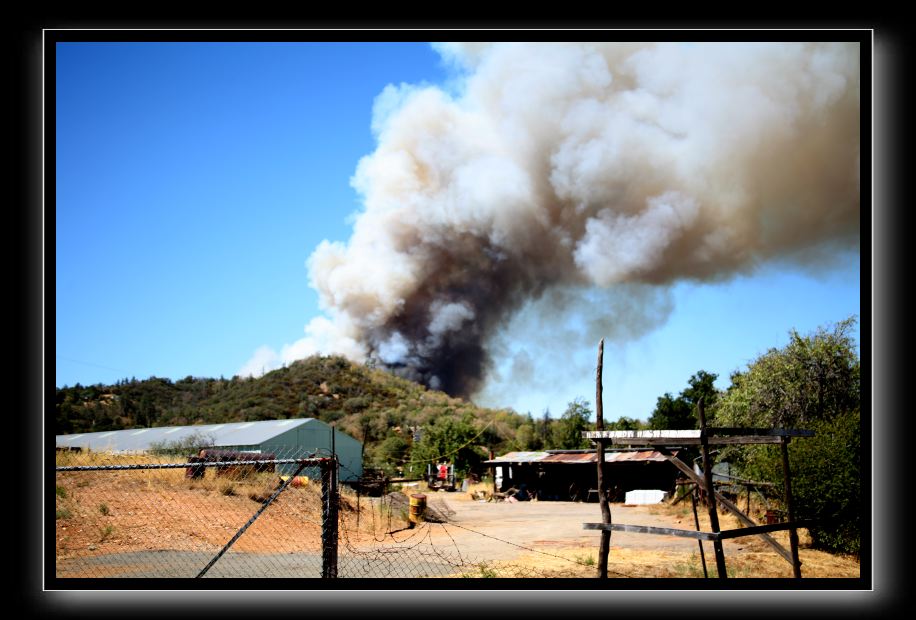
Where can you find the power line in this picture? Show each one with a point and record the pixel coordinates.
(75, 361)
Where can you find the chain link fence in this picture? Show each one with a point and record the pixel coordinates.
(214, 514)
(382, 540)
(218, 513)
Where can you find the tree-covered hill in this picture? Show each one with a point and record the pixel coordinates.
(382, 410)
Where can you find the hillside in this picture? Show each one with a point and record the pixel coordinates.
(374, 406)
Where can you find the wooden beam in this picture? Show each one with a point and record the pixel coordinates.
(712, 433)
(645, 529)
(760, 529)
(696, 534)
(714, 436)
(732, 508)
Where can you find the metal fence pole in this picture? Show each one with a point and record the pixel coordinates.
(329, 513)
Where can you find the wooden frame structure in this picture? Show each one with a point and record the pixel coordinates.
(663, 441)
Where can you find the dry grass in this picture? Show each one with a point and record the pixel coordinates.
(750, 558)
(102, 512)
(624, 562)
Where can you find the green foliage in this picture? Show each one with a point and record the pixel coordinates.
(391, 454)
(527, 438)
(672, 413)
(812, 378)
(811, 383)
(448, 439)
(680, 412)
(586, 560)
(830, 487)
(624, 423)
(105, 532)
(701, 385)
(567, 431)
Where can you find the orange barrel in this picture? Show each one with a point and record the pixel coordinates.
(417, 508)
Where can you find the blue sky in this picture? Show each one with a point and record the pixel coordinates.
(194, 180)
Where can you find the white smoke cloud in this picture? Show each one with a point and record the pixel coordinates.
(557, 165)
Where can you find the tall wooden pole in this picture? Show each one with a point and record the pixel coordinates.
(790, 516)
(605, 546)
(710, 491)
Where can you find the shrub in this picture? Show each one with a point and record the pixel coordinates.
(812, 383)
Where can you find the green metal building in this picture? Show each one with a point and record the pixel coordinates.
(294, 438)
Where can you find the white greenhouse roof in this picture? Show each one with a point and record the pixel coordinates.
(137, 439)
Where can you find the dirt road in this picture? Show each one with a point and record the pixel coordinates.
(506, 530)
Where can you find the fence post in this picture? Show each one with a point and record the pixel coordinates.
(710, 491)
(790, 513)
(329, 511)
(604, 546)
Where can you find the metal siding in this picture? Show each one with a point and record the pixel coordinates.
(578, 458)
(349, 453)
(287, 438)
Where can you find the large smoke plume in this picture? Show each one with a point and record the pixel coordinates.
(549, 168)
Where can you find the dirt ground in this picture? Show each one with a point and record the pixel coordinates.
(156, 522)
(550, 537)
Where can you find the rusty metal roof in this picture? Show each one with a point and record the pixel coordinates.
(578, 457)
(586, 457)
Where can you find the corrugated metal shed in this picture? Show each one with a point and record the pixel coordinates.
(141, 439)
(286, 438)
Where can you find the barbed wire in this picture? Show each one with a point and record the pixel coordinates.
(421, 534)
(453, 452)
(191, 532)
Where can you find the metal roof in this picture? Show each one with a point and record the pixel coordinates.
(578, 457)
(137, 439)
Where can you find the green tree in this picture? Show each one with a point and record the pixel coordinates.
(567, 431)
(392, 453)
(680, 412)
(811, 383)
(812, 378)
(700, 385)
(545, 427)
(624, 423)
(526, 438)
(449, 440)
(672, 413)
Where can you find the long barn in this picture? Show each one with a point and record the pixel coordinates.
(294, 438)
(573, 474)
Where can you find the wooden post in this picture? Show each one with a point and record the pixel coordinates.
(605, 546)
(493, 472)
(790, 516)
(710, 491)
(696, 520)
(782, 551)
